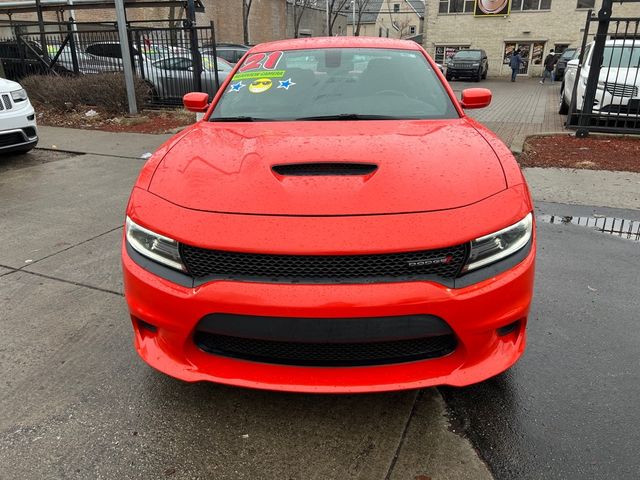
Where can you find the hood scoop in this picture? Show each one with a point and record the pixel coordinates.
(319, 169)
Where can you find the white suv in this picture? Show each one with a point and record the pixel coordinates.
(618, 91)
(18, 131)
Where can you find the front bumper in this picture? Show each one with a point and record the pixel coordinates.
(165, 316)
(462, 72)
(17, 127)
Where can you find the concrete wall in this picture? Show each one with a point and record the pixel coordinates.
(563, 24)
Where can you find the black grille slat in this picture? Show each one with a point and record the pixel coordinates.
(324, 169)
(444, 263)
(9, 139)
(326, 354)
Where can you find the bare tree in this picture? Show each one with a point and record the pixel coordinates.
(299, 6)
(402, 26)
(246, 9)
(361, 6)
(335, 9)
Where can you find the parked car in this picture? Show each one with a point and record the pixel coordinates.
(172, 77)
(618, 88)
(561, 64)
(231, 52)
(468, 63)
(21, 59)
(326, 229)
(18, 132)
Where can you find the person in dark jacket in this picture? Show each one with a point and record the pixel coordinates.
(549, 66)
(515, 63)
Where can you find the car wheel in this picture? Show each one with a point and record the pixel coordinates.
(564, 106)
(484, 75)
(478, 76)
(448, 77)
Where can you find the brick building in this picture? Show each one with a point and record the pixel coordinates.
(533, 26)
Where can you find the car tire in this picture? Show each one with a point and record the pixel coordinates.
(564, 106)
(448, 77)
(484, 75)
(478, 76)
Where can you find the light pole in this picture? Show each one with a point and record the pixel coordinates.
(353, 26)
(327, 18)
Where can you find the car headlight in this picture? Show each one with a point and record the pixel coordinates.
(19, 95)
(496, 246)
(154, 246)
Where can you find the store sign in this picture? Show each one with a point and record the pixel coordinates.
(488, 8)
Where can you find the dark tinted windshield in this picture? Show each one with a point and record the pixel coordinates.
(304, 84)
(467, 55)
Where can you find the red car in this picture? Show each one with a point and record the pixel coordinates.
(335, 223)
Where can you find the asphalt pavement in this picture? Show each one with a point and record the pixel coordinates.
(76, 402)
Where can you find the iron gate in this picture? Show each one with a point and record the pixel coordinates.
(602, 88)
(172, 59)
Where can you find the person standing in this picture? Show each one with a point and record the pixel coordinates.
(515, 63)
(549, 66)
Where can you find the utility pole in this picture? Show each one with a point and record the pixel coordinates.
(126, 56)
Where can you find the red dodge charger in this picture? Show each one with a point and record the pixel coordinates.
(334, 223)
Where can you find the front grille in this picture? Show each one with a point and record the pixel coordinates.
(621, 90)
(445, 263)
(326, 354)
(9, 139)
(6, 103)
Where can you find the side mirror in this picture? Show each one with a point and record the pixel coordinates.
(196, 101)
(475, 98)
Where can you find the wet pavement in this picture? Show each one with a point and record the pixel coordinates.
(569, 409)
(76, 402)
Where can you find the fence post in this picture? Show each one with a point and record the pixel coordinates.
(72, 46)
(215, 55)
(196, 61)
(604, 16)
(126, 56)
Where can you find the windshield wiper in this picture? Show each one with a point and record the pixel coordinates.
(350, 116)
(240, 119)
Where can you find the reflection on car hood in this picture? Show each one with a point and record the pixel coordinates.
(421, 166)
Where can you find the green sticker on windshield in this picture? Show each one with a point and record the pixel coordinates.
(260, 74)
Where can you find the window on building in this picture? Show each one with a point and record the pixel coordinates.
(445, 52)
(396, 7)
(523, 5)
(412, 30)
(456, 6)
(586, 4)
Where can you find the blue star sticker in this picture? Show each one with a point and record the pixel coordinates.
(235, 87)
(285, 84)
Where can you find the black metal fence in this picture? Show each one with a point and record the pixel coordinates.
(172, 59)
(602, 88)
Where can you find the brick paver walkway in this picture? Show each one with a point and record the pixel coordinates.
(518, 109)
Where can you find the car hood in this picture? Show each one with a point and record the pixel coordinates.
(421, 166)
(8, 85)
(628, 76)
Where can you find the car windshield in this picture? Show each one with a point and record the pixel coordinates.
(567, 54)
(336, 83)
(622, 56)
(467, 55)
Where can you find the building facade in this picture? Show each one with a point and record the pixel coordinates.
(389, 18)
(532, 26)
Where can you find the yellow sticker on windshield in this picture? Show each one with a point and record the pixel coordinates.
(260, 85)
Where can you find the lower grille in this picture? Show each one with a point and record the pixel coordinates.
(621, 90)
(326, 354)
(9, 139)
(445, 263)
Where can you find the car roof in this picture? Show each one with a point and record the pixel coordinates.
(336, 42)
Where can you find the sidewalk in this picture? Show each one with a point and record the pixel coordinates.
(518, 109)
